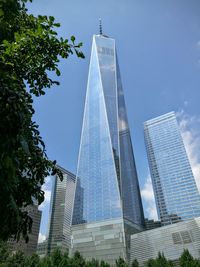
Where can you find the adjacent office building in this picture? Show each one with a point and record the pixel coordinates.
(151, 224)
(170, 240)
(60, 213)
(30, 247)
(107, 205)
(42, 248)
(175, 189)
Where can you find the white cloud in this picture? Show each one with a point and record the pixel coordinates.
(148, 198)
(123, 125)
(47, 192)
(47, 198)
(190, 130)
(185, 103)
(41, 238)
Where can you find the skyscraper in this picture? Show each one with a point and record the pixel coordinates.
(108, 187)
(61, 212)
(30, 247)
(175, 190)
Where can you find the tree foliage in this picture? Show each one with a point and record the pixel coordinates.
(121, 262)
(60, 259)
(160, 261)
(187, 260)
(29, 51)
(33, 261)
(135, 263)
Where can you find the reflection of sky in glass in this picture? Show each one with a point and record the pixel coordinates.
(61, 211)
(106, 58)
(104, 181)
(96, 169)
(175, 190)
(131, 198)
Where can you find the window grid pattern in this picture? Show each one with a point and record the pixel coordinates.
(176, 193)
(107, 184)
(61, 212)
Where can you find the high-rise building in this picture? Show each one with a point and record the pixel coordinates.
(151, 224)
(108, 195)
(175, 190)
(42, 248)
(61, 212)
(31, 246)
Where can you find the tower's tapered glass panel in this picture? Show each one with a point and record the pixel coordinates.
(107, 65)
(96, 167)
(131, 199)
(106, 170)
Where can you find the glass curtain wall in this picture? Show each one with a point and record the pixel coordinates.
(106, 173)
(175, 189)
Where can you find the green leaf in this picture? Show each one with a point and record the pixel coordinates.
(25, 146)
(57, 72)
(30, 51)
(56, 24)
(72, 39)
(51, 18)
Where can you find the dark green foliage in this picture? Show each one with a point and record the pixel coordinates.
(65, 262)
(121, 263)
(29, 51)
(104, 264)
(186, 260)
(92, 263)
(151, 263)
(32, 261)
(17, 260)
(4, 253)
(78, 260)
(46, 262)
(56, 257)
(160, 261)
(59, 259)
(135, 263)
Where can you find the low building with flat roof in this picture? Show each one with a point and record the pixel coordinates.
(170, 240)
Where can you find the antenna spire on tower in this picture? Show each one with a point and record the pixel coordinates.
(100, 26)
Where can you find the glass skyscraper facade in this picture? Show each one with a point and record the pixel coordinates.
(175, 189)
(61, 212)
(31, 247)
(107, 182)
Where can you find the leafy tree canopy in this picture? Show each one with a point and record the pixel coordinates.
(135, 263)
(121, 263)
(29, 51)
(160, 261)
(60, 259)
(187, 260)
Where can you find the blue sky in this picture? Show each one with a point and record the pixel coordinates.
(158, 44)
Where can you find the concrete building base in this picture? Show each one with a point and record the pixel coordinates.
(107, 240)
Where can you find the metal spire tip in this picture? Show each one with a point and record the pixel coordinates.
(100, 26)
